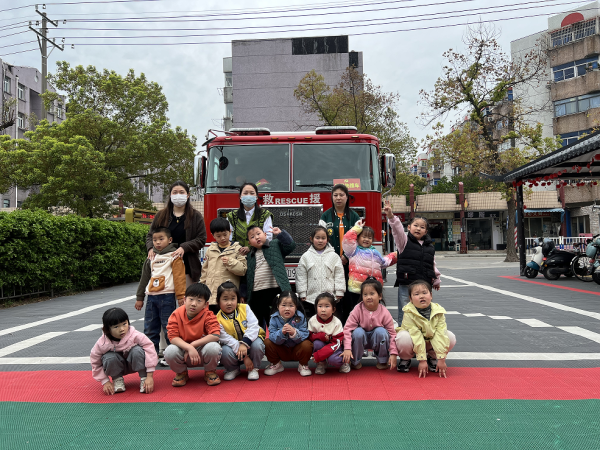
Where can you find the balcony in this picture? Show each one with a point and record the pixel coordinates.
(575, 122)
(228, 94)
(575, 50)
(574, 87)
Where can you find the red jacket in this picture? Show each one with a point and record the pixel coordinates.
(329, 331)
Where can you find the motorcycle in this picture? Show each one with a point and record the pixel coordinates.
(555, 262)
(535, 264)
(584, 266)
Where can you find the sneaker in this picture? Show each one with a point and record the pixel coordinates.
(161, 353)
(212, 379)
(356, 366)
(180, 379)
(305, 371)
(143, 385)
(253, 375)
(231, 375)
(382, 366)
(274, 368)
(403, 365)
(345, 368)
(321, 366)
(432, 364)
(119, 385)
(163, 362)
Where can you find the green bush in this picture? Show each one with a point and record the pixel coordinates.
(66, 253)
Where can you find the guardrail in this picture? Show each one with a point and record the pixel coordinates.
(561, 243)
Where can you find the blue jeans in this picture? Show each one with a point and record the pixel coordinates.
(230, 361)
(158, 310)
(403, 300)
(377, 340)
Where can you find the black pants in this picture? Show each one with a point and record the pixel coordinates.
(262, 304)
(309, 310)
(347, 304)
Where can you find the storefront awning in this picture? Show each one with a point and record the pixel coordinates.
(540, 210)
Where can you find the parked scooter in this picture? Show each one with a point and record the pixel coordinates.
(535, 264)
(585, 267)
(555, 262)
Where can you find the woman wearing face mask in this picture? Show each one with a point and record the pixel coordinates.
(187, 229)
(249, 213)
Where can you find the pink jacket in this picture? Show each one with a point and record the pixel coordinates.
(400, 239)
(368, 321)
(132, 338)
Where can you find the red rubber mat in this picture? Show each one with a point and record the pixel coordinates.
(463, 383)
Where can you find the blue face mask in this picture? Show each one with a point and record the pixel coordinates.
(248, 200)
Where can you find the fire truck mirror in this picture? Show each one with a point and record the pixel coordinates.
(389, 170)
(199, 171)
(223, 163)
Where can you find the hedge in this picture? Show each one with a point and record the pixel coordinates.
(39, 251)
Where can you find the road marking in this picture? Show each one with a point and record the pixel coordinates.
(500, 317)
(528, 298)
(29, 342)
(441, 287)
(50, 360)
(474, 315)
(64, 316)
(520, 356)
(582, 332)
(452, 312)
(550, 285)
(92, 327)
(391, 307)
(534, 323)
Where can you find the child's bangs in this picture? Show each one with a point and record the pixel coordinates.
(367, 232)
(112, 317)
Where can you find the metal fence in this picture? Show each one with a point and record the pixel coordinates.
(561, 243)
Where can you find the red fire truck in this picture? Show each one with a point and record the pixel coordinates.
(294, 173)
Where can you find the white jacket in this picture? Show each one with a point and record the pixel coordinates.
(320, 273)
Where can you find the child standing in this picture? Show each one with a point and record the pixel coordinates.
(323, 267)
(416, 256)
(194, 334)
(365, 260)
(288, 333)
(266, 275)
(327, 334)
(223, 261)
(423, 332)
(122, 350)
(370, 326)
(242, 340)
(163, 280)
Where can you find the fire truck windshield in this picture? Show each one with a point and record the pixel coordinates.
(267, 166)
(320, 166)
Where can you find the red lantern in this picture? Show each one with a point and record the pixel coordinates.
(524, 206)
(514, 184)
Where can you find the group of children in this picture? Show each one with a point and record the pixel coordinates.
(213, 325)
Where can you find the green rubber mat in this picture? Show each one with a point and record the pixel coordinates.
(464, 424)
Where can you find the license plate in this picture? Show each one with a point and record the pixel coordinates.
(291, 273)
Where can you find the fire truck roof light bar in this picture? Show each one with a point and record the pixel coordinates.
(251, 131)
(335, 130)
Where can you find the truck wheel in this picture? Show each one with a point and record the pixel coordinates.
(530, 273)
(549, 275)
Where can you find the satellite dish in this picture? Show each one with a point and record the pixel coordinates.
(223, 163)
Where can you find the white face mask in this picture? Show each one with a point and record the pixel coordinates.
(179, 199)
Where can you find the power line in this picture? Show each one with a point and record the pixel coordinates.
(78, 3)
(22, 51)
(14, 45)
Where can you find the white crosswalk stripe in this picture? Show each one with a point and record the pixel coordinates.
(29, 342)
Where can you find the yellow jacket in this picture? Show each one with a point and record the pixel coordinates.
(422, 330)
(215, 273)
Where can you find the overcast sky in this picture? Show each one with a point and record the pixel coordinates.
(404, 61)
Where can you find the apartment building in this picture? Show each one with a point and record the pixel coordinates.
(261, 75)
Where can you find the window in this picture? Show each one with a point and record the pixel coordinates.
(6, 203)
(580, 225)
(509, 94)
(7, 85)
(21, 91)
(59, 111)
(576, 104)
(21, 120)
(584, 29)
(228, 79)
(229, 110)
(570, 138)
(575, 32)
(574, 69)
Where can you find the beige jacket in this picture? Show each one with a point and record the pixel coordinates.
(421, 330)
(214, 272)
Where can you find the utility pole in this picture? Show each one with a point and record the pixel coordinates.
(43, 43)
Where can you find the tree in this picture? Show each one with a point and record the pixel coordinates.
(356, 101)
(403, 182)
(116, 138)
(471, 183)
(7, 113)
(478, 81)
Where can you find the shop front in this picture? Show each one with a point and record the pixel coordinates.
(440, 229)
(484, 230)
(543, 222)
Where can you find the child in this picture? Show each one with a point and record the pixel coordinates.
(122, 350)
(365, 261)
(327, 335)
(416, 256)
(242, 340)
(424, 333)
(266, 275)
(323, 267)
(163, 280)
(222, 261)
(194, 334)
(370, 326)
(288, 335)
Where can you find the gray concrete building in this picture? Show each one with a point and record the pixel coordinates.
(24, 84)
(261, 75)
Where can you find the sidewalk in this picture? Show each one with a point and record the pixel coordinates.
(473, 254)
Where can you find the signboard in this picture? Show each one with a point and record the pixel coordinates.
(538, 214)
(479, 215)
(456, 227)
(144, 216)
(353, 184)
(400, 216)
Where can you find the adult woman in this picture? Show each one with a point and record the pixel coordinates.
(187, 229)
(338, 220)
(249, 213)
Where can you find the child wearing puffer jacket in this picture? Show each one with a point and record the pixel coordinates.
(320, 270)
(365, 260)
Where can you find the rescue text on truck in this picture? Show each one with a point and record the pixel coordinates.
(295, 172)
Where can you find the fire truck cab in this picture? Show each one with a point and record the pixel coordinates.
(295, 172)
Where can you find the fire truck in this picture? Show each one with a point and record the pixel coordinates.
(295, 172)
